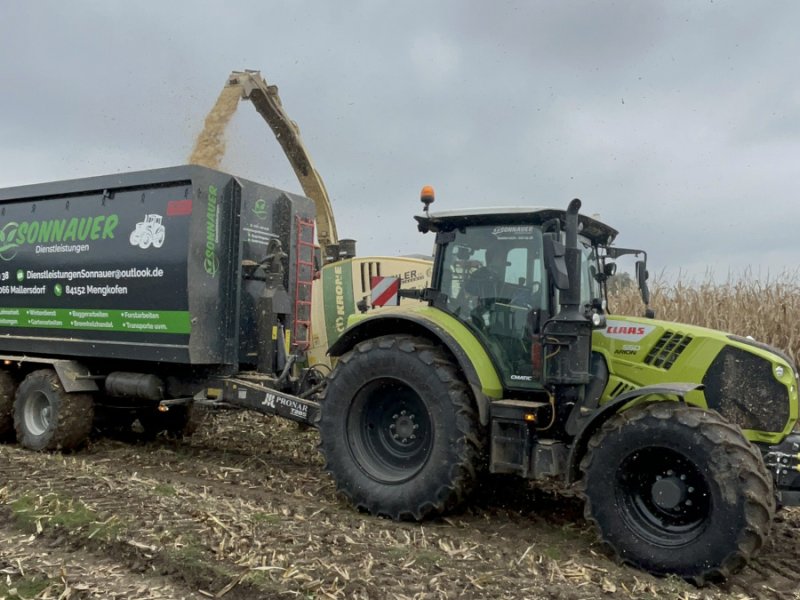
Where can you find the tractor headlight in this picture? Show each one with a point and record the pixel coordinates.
(779, 371)
(598, 320)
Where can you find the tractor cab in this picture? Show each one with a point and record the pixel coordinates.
(505, 273)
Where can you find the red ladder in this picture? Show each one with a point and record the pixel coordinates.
(304, 275)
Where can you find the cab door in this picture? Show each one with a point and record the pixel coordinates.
(494, 281)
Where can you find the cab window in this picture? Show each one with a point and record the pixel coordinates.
(493, 279)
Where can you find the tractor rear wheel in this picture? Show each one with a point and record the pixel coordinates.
(677, 489)
(399, 430)
(46, 417)
(8, 386)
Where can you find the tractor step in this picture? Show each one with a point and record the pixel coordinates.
(521, 410)
(516, 449)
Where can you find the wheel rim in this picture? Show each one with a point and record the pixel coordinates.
(389, 431)
(663, 497)
(37, 413)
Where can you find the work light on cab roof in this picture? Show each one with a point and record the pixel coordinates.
(427, 196)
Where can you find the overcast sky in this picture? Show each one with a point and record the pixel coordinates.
(677, 122)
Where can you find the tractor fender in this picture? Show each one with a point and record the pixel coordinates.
(418, 324)
(621, 402)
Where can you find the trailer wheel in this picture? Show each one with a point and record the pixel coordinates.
(48, 418)
(677, 489)
(8, 386)
(399, 430)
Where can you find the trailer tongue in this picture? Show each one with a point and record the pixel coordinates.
(254, 393)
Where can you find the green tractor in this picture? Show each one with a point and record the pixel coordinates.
(680, 438)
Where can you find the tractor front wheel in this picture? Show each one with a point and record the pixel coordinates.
(399, 430)
(676, 489)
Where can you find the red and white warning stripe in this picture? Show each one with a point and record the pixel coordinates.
(385, 291)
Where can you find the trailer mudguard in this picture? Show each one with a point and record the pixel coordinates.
(596, 419)
(472, 358)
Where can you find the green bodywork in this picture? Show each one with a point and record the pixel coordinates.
(627, 345)
(627, 342)
(465, 339)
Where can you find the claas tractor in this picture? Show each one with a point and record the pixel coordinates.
(679, 438)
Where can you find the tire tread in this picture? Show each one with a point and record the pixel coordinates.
(462, 477)
(755, 482)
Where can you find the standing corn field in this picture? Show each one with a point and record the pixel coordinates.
(749, 305)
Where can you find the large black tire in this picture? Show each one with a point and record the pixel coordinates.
(676, 489)
(48, 418)
(399, 430)
(8, 387)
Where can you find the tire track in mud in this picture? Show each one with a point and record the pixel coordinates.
(157, 530)
(270, 524)
(352, 555)
(770, 576)
(774, 574)
(64, 573)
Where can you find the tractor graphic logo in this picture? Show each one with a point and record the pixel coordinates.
(149, 232)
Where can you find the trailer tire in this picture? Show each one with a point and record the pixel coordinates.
(399, 430)
(46, 417)
(8, 386)
(677, 489)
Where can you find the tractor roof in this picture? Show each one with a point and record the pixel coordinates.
(597, 232)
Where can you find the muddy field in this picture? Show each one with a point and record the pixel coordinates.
(244, 510)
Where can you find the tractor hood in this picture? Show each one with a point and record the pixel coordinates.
(751, 384)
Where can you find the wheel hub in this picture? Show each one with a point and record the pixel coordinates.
(663, 496)
(403, 427)
(668, 492)
(37, 414)
(390, 430)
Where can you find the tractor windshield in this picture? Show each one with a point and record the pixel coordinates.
(498, 264)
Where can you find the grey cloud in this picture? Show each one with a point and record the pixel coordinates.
(677, 121)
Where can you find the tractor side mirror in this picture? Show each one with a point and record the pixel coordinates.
(609, 269)
(556, 262)
(641, 278)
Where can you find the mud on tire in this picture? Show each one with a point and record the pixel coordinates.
(48, 418)
(399, 430)
(8, 386)
(676, 489)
